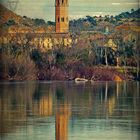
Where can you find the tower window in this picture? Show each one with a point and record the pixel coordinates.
(58, 2)
(67, 19)
(62, 19)
(58, 19)
(62, 1)
(66, 2)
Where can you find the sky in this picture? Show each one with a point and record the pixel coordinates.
(77, 8)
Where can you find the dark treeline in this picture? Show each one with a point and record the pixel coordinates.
(89, 23)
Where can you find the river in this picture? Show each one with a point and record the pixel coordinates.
(69, 111)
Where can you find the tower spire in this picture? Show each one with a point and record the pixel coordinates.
(61, 16)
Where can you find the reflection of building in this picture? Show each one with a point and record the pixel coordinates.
(45, 106)
(61, 16)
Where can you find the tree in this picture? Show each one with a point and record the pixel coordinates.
(51, 23)
(136, 53)
(60, 58)
(10, 22)
(39, 22)
(36, 56)
(132, 10)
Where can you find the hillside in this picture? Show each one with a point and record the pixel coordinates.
(6, 15)
(100, 23)
(13, 23)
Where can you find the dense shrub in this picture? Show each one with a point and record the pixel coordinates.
(16, 67)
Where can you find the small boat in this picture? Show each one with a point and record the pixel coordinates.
(92, 79)
(95, 78)
(80, 80)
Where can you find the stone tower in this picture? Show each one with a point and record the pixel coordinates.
(61, 16)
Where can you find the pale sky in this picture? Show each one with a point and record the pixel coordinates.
(77, 8)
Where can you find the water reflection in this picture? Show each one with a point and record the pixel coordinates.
(62, 115)
(15, 99)
(66, 111)
(43, 101)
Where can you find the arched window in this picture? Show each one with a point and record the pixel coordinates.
(58, 19)
(58, 2)
(66, 1)
(62, 19)
(67, 19)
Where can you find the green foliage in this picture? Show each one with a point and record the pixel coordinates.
(80, 24)
(51, 23)
(39, 22)
(87, 23)
(10, 22)
(36, 56)
(91, 20)
(60, 58)
(84, 56)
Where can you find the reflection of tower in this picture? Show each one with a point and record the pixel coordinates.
(62, 116)
(61, 16)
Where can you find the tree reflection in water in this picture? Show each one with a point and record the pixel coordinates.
(15, 99)
(23, 105)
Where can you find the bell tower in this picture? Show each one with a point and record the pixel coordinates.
(61, 16)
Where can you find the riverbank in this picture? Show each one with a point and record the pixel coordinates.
(19, 63)
(97, 73)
